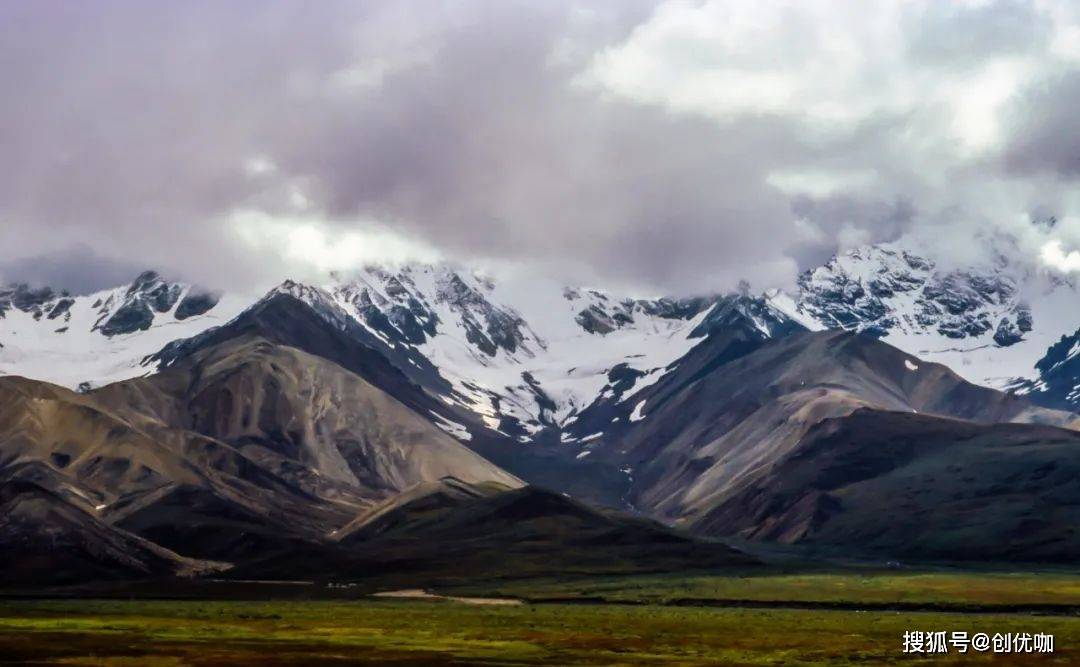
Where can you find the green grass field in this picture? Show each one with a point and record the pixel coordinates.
(648, 632)
(963, 589)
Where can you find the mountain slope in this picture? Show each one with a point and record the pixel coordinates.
(241, 447)
(1057, 383)
(283, 407)
(45, 539)
(450, 530)
(916, 486)
(710, 426)
(106, 459)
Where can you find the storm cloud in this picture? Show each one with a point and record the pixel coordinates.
(667, 147)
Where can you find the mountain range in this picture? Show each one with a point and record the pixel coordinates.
(420, 420)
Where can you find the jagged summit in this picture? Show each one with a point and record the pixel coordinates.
(1057, 383)
(323, 420)
(92, 339)
(990, 321)
(516, 364)
(529, 359)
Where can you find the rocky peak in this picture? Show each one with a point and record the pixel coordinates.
(38, 301)
(1058, 382)
(488, 326)
(602, 314)
(878, 290)
(753, 314)
(125, 311)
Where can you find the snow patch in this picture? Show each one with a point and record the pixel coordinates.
(452, 427)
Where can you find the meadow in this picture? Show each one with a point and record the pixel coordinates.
(923, 589)
(632, 621)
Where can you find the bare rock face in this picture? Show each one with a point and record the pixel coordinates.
(134, 311)
(196, 302)
(37, 301)
(1058, 381)
(134, 315)
(280, 402)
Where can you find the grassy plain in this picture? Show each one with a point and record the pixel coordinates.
(941, 589)
(630, 621)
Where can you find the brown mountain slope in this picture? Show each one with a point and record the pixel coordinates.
(710, 429)
(917, 486)
(107, 459)
(87, 441)
(301, 416)
(245, 448)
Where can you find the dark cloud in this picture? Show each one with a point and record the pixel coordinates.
(841, 219)
(135, 130)
(76, 269)
(1047, 135)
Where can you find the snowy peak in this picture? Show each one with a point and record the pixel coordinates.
(990, 322)
(147, 297)
(122, 310)
(740, 311)
(1058, 381)
(88, 340)
(459, 334)
(882, 289)
(417, 303)
(38, 302)
(602, 314)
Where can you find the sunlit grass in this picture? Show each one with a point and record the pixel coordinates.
(401, 632)
(882, 588)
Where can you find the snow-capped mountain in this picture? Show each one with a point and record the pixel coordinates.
(524, 364)
(522, 358)
(528, 358)
(990, 323)
(95, 339)
(1058, 381)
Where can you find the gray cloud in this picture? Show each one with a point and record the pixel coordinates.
(964, 35)
(137, 131)
(1047, 135)
(76, 269)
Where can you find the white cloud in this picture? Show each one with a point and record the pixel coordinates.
(664, 146)
(312, 248)
(829, 65)
(258, 166)
(819, 182)
(1054, 255)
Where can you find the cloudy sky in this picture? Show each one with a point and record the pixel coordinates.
(655, 146)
